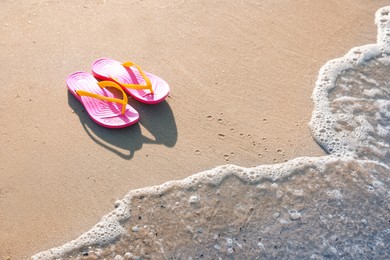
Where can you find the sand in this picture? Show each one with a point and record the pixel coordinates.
(241, 77)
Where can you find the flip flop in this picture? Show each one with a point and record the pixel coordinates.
(142, 86)
(102, 105)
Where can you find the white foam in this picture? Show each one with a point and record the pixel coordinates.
(109, 228)
(324, 123)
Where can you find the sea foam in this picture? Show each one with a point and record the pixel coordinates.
(312, 207)
(352, 99)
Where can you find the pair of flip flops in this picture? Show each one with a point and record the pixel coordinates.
(104, 106)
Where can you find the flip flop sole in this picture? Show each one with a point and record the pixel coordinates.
(105, 68)
(104, 113)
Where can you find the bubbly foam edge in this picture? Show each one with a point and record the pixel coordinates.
(99, 234)
(321, 116)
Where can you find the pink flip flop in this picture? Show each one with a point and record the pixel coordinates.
(142, 86)
(105, 108)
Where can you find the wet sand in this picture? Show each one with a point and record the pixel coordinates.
(241, 77)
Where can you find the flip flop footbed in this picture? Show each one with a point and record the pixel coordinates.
(107, 69)
(105, 113)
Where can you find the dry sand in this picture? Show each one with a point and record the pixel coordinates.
(241, 76)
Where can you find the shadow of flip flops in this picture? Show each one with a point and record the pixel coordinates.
(157, 119)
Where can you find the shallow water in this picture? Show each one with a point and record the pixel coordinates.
(336, 206)
(323, 209)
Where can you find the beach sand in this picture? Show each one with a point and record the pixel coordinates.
(241, 78)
